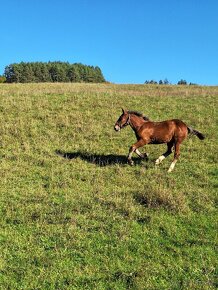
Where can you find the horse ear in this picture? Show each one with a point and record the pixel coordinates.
(123, 111)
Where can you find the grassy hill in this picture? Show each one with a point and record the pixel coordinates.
(74, 215)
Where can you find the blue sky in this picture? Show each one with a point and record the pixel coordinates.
(130, 40)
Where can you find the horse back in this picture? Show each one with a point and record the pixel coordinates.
(164, 131)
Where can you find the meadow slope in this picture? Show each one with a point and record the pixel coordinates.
(75, 215)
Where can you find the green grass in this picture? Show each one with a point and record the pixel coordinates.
(74, 215)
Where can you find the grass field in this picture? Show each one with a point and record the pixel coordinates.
(74, 215)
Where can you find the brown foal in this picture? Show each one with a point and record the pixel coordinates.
(172, 132)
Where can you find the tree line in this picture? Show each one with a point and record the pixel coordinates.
(33, 72)
(166, 82)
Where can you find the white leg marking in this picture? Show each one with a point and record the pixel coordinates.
(172, 166)
(160, 159)
(130, 158)
(140, 154)
(130, 155)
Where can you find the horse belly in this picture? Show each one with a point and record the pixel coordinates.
(157, 132)
(157, 141)
(161, 136)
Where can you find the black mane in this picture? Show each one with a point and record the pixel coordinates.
(139, 115)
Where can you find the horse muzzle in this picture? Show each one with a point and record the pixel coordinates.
(117, 128)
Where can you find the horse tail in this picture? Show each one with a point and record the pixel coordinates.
(196, 133)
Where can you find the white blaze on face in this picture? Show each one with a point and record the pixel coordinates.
(117, 128)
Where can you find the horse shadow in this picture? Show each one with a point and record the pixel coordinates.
(97, 159)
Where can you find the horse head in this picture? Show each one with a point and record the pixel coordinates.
(122, 121)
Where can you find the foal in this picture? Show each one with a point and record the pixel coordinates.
(171, 132)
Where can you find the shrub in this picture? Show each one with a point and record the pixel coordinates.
(2, 79)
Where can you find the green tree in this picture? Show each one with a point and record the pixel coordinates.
(2, 79)
(182, 82)
(73, 74)
(52, 72)
(166, 82)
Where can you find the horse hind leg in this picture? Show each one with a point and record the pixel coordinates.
(176, 156)
(164, 155)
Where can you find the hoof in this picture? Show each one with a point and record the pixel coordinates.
(131, 162)
(145, 157)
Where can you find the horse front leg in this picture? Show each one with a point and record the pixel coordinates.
(142, 155)
(134, 148)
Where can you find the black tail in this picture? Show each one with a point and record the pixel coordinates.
(196, 133)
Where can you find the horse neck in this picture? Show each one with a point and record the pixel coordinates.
(136, 122)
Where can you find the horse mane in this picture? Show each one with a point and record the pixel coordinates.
(139, 115)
